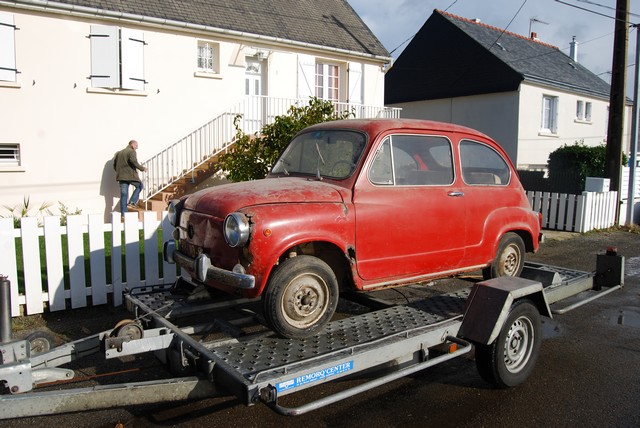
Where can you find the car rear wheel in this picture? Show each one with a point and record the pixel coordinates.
(301, 297)
(509, 259)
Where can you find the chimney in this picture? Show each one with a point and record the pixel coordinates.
(534, 35)
(573, 52)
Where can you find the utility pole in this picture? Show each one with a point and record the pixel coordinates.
(617, 98)
(634, 132)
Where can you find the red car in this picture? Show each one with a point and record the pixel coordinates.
(357, 204)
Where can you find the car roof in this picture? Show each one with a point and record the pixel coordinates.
(375, 126)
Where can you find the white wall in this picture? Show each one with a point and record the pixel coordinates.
(493, 114)
(535, 145)
(68, 132)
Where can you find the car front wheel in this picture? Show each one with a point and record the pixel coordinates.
(301, 297)
(509, 259)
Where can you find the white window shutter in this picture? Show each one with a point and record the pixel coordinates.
(355, 83)
(7, 48)
(132, 59)
(105, 57)
(306, 76)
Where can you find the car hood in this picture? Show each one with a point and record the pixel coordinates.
(226, 198)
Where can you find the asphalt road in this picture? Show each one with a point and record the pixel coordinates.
(587, 375)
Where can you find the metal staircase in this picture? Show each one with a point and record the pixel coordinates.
(180, 166)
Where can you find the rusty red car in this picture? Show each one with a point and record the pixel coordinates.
(356, 205)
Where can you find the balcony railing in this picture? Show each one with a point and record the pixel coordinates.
(182, 158)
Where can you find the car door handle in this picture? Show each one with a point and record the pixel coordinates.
(455, 194)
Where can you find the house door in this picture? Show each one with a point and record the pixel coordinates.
(254, 84)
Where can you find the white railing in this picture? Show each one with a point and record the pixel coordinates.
(575, 213)
(80, 266)
(182, 158)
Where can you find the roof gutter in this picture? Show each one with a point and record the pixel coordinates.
(76, 10)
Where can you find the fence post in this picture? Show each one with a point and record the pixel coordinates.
(5, 309)
(586, 212)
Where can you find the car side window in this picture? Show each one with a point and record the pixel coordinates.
(413, 160)
(482, 165)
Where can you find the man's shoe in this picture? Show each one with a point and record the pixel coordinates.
(132, 206)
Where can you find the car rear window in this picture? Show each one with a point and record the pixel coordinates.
(482, 165)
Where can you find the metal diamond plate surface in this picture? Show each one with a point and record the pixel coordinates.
(343, 336)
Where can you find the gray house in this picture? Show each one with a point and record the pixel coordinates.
(528, 95)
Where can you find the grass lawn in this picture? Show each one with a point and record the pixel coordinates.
(87, 268)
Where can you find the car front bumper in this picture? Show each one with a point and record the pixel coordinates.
(204, 270)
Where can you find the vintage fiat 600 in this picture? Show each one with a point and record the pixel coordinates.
(356, 205)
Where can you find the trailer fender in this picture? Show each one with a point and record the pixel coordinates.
(489, 304)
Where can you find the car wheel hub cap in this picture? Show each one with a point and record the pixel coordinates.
(305, 300)
(518, 345)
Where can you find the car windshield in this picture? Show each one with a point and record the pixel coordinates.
(324, 154)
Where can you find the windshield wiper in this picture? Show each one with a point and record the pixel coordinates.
(284, 165)
(320, 158)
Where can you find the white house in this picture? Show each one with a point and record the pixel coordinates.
(79, 79)
(527, 95)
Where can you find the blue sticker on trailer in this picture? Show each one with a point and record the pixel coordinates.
(315, 376)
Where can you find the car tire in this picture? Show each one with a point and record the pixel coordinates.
(301, 297)
(509, 259)
(510, 359)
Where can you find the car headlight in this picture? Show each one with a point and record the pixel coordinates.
(173, 212)
(236, 229)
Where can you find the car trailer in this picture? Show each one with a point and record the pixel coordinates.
(218, 356)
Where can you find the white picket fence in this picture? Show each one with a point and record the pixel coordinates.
(575, 213)
(35, 295)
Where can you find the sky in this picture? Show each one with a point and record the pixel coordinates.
(556, 22)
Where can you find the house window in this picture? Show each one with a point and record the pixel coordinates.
(580, 110)
(549, 114)
(9, 155)
(208, 57)
(117, 58)
(7, 48)
(583, 111)
(327, 81)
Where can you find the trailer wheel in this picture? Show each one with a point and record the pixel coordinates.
(39, 342)
(510, 359)
(301, 297)
(509, 259)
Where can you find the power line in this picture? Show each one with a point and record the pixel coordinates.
(510, 22)
(592, 11)
(401, 44)
(604, 6)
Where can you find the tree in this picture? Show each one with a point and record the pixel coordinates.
(252, 156)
